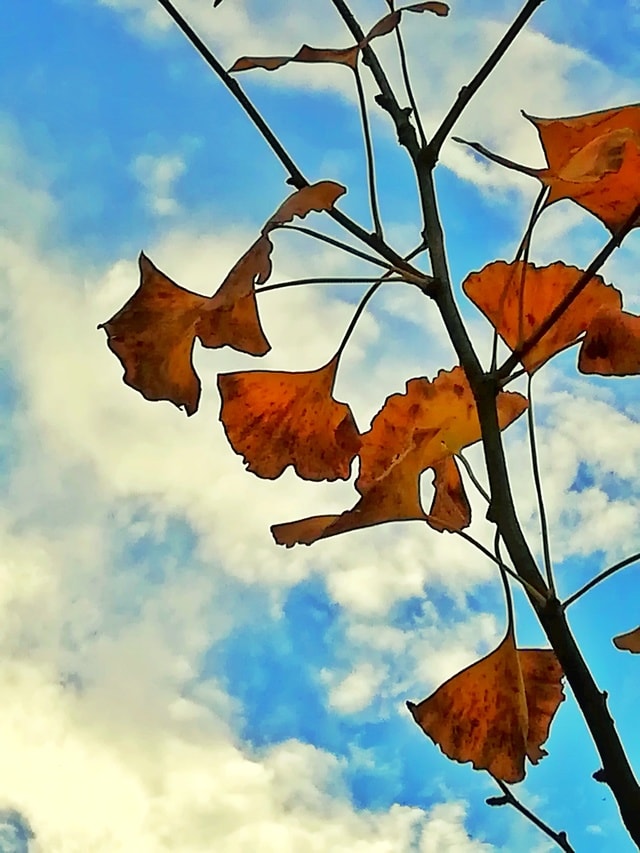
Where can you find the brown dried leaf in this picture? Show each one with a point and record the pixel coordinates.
(612, 345)
(629, 642)
(496, 711)
(154, 332)
(275, 419)
(316, 197)
(517, 298)
(419, 429)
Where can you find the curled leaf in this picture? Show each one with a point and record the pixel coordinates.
(517, 298)
(497, 711)
(611, 346)
(154, 332)
(276, 419)
(338, 56)
(629, 642)
(315, 197)
(414, 431)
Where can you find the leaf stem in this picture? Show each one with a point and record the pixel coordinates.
(404, 65)
(509, 799)
(338, 244)
(600, 577)
(535, 467)
(368, 148)
(467, 92)
(496, 158)
(472, 476)
(295, 282)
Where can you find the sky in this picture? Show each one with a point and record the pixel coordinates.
(171, 680)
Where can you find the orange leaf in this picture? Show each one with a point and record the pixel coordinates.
(278, 419)
(516, 298)
(629, 642)
(594, 159)
(612, 345)
(496, 711)
(154, 332)
(316, 197)
(419, 429)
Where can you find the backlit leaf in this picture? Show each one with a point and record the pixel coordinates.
(629, 642)
(154, 332)
(612, 345)
(414, 431)
(276, 419)
(497, 711)
(339, 56)
(516, 298)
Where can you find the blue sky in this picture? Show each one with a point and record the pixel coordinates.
(173, 680)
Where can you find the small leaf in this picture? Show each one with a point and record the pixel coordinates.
(315, 197)
(154, 332)
(276, 419)
(629, 642)
(517, 298)
(497, 711)
(611, 346)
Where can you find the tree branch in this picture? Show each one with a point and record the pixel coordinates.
(508, 799)
(599, 578)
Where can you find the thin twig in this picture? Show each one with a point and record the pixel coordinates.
(496, 158)
(535, 467)
(338, 244)
(368, 148)
(467, 92)
(404, 65)
(598, 578)
(510, 800)
(472, 541)
(473, 477)
(296, 178)
(295, 282)
(520, 351)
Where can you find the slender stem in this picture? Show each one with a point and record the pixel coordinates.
(505, 580)
(338, 244)
(535, 467)
(472, 541)
(295, 282)
(404, 65)
(509, 799)
(520, 351)
(600, 577)
(368, 148)
(473, 477)
(467, 92)
(356, 316)
(496, 158)
(296, 178)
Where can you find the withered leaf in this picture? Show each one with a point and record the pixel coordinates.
(339, 56)
(275, 419)
(154, 332)
(497, 711)
(611, 346)
(414, 431)
(629, 642)
(517, 298)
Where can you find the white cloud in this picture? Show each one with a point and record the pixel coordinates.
(157, 176)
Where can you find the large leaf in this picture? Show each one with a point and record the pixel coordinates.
(275, 419)
(153, 334)
(420, 429)
(496, 712)
(517, 298)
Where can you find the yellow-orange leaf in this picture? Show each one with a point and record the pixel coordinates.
(594, 159)
(154, 332)
(316, 197)
(629, 642)
(497, 711)
(275, 419)
(419, 429)
(611, 346)
(517, 298)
